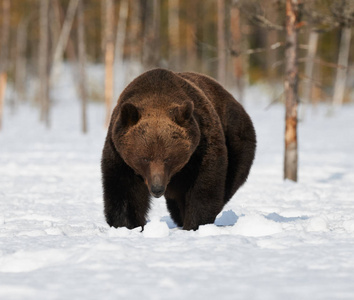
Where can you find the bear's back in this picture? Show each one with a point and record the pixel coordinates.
(222, 101)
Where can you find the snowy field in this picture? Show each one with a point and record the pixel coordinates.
(274, 240)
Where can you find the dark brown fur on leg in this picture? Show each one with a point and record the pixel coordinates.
(175, 211)
(126, 198)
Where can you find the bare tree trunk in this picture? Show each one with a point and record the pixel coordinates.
(221, 42)
(151, 34)
(82, 63)
(103, 28)
(121, 31)
(135, 40)
(43, 62)
(310, 60)
(54, 25)
(291, 91)
(4, 54)
(63, 38)
(109, 59)
(120, 41)
(156, 26)
(341, 78)
(148, 35)
(238, 61)
(20, 72)
(173, 33)
(191, 36)
(3, 82)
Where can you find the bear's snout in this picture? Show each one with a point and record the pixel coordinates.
(157, 190)
(156, 180)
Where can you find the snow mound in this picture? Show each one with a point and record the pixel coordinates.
(156, 229)
(255, 226)
(317, 224)
(228, 218)
(349, 226)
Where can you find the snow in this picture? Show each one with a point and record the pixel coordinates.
(274, 240)
(156, 229)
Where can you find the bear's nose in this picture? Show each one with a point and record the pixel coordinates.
(157, 190)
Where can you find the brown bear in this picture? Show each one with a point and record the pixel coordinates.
(181, 135)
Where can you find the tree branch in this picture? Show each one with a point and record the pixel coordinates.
(274, 46)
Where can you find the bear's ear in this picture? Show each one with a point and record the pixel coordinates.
(129, 115)
(182, 113)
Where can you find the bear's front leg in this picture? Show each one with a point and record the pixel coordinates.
(205, 200)
(126, 197)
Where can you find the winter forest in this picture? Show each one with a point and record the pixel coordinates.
(288, 232)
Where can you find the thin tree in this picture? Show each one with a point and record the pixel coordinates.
(43, 61)
(63, 38)
(135, 40)
(4, 53)
(20, 69)
(309, 67)
(103, 27)
(173, 33)
(120, 41)
(221, 42)
(156, 33)
(238, 61)
(109, 59)
(147, 57)
(82, 64)
(191, 35)
(55, 24)
(151, 34)
(291, 90)
(343, 12)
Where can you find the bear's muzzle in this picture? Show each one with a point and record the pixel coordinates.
(157, 190)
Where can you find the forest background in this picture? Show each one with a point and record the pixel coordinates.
(238, 42)
(299, 50)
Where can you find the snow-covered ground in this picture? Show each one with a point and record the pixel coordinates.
(274, 240)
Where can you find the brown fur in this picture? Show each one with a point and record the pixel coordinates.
(177, 134)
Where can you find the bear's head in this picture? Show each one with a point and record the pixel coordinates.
(156, 143)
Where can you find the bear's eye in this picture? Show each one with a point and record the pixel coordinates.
(145, 160)
(167, 160)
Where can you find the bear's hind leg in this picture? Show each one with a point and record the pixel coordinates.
(241, 147)
(205, 200)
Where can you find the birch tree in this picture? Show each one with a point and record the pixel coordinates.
(237, 60)
(309, 67)
(82, 65)
(156, 34)
(4, 53)
(43, 62)
(63, 38)
(135, 38)
(343, 12)
(191, 35)
(291, 90)
(120, 42)
(20, 69)
(221, 42)
(109, 59)
(173, 33)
